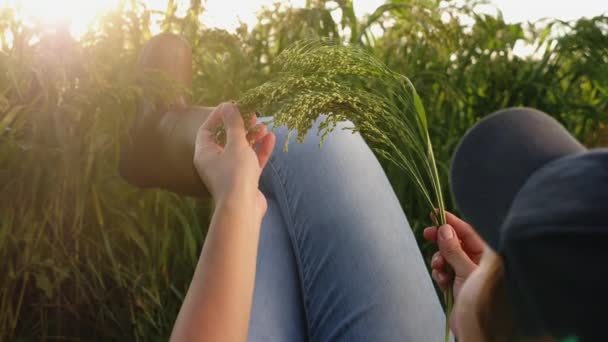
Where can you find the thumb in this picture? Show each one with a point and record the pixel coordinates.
(452, 252)
(235, 126)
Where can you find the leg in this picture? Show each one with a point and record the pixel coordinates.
(362, 275)
(360, 272)
(158, 151)
(277, 313)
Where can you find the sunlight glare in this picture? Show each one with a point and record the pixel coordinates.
(77, 14)
(228, 14)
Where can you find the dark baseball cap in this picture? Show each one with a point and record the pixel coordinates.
(540, 200)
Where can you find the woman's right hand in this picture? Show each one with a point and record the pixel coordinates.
(459, 246)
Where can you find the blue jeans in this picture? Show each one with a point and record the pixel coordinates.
(337, 260)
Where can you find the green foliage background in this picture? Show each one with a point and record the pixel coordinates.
(87, 257)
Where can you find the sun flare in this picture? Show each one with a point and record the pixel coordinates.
(77, 14)
(228, 14)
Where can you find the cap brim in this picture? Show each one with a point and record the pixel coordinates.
(496, 157)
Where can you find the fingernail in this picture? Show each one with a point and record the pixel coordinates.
(440, 277)
(433, 216)
(446, 232)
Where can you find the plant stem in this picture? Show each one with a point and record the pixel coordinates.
(448, 295)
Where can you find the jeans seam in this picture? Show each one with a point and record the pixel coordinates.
(294, 240)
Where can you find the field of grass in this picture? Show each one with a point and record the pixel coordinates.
(85, 256)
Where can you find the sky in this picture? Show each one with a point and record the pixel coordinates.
(227, 13)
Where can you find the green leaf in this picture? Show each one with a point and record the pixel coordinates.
(44, 284)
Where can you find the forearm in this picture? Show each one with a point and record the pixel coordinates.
(218, 303)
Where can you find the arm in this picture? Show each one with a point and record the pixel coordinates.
(218, 303)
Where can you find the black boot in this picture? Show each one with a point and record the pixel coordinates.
(142, 161)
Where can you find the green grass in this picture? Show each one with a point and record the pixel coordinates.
(88, 257)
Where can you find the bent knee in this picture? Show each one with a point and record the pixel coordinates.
(341, 147)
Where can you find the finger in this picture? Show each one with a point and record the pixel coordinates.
(253, 119)
(235, 126)
(471, 240)
(441, 279)
(264, 149)
(257, 132)
(452, 252)
(430, 234)
(215, 118)
(205, 136)
(437, 261)
(433, 216)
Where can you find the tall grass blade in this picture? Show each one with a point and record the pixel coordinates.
(346, 83)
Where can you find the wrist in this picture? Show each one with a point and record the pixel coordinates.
(242, 210)
(233, 197)
(238, 202)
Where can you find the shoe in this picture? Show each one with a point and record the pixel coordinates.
(172, 55)
(141, 160)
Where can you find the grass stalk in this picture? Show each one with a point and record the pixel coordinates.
(320, 78)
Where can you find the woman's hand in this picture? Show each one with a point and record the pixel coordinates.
(459, 246)
(232, 172)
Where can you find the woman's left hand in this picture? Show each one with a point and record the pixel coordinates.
(232, 172)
